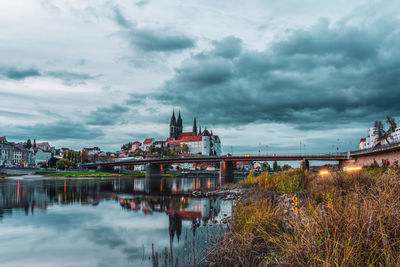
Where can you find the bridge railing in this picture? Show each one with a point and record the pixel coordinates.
(385, 146)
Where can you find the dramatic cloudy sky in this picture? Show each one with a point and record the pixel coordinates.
(259, 73)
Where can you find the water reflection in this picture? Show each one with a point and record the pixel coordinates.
(113, 221)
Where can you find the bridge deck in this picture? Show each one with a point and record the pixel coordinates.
(188, 159)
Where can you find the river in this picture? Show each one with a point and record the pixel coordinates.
(107, 221)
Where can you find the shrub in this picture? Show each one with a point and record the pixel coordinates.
(63, 164)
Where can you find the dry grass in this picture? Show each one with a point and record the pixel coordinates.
(345, 219)
(283, 182)
(245, 243)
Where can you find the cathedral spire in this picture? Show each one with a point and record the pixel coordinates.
(173, 130)
(173, 120)
(194, 126)
(179, 124)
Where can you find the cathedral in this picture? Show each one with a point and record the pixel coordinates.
(176, 126)
(198, 141)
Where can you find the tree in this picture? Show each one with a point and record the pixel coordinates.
(69, 155)
(84, 156)
(275, 166)
(286, 167)
(392, 125)
(52, 162)
(28, 144)
(126, 147)
(62, 164)
(183, 148)
(379, 130)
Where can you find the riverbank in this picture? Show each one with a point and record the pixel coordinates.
(296, 218)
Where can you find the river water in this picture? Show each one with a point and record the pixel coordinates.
(107, 221)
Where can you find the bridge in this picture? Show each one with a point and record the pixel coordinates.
(154, 166)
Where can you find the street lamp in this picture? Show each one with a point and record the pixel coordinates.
(300, 147)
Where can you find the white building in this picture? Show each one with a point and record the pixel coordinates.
(147, 144)
(6, 152)
(372, 139)
(396, 135)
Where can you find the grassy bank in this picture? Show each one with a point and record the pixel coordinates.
(44, 172)
(83, 174)
(300, 219)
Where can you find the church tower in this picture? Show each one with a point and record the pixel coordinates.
(173, 126)
(194, 127)
(179, 125)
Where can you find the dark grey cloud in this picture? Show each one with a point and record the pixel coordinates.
(147, 40)
(141, 3)
(70, 78)
(228, 47)
(313, 78)
(18, 74)
(107, 116)
(58, 130)
(14, 114)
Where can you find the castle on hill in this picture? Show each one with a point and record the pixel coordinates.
(199, 142)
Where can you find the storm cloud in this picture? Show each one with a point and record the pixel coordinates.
(315, 77)
(68, 77)
(107, 115)
(152, 40)
(18, 74)
(58, 130)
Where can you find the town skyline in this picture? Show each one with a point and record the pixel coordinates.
(282, 77)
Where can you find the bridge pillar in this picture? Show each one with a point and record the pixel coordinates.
(304, 165)
(226, 174)
(153, 177)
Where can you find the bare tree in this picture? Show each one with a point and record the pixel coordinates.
(392, 125)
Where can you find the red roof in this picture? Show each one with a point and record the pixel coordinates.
(148, 141)
(363, 139)
(2, 138)
(185, 134)
(136, 142)
(170, 139)
(186, 139)
(185, 214)
(42, 144)
(49, 150)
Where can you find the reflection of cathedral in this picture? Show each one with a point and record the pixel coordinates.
(175, 226)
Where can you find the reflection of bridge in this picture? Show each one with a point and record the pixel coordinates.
(154, 166)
